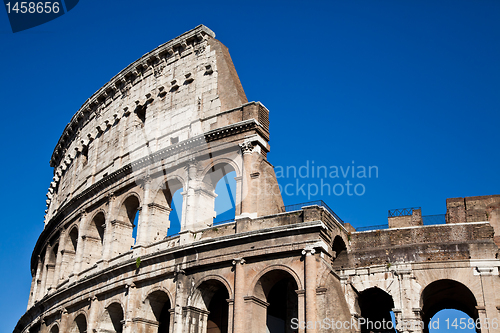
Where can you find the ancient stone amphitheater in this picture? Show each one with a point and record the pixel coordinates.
(178, 119)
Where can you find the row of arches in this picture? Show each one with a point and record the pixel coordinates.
(442, 301)
(104, 235)
(210, 309)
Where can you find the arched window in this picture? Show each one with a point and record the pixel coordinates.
(51, 279)
(125, 228)
(158, 310)
(225, 202)
(95, 240)
(112, 319)
(69, 253)
(54, 329)
(166, 216)
(79, 324)
(211, 301)
(221, 180)
(278, 289)
(339, 252)
(376, 308)
(445, 295)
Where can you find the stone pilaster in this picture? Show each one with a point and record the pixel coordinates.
(239, 320)
(80, 247)
(310, 274)
(108, 231)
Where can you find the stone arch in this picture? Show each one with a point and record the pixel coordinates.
(375, 305)
(79, 324)
(277, 267)
(210, 307)
(274, 298)
(339, 252)
(156, 310)
(221, 161)
(71, 245)
(94, 238)
(54, 328)
(447, 294)
(219, 278)
(111, 319)
(124, 226)
(215, 181)
(160, 218)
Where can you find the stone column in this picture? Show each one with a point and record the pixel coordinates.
(38, 281)
(61, 260)
(130, 306)
(63, 327)
(80, 246)
(239, 317)
(239, 195)
(310, 273)
(93, 313)
(181, 286)
(189, 200)
(143, 237)
(302, 310)
(247, 202)
(230, 309)
(108, 231)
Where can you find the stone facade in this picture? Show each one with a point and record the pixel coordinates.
(178, 118)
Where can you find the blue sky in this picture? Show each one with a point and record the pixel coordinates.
(411, 87)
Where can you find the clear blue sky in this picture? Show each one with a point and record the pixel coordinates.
(412, 87)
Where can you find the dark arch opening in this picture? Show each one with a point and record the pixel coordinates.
(54, 329)
(219, 308)
(278, 288)
(212, 296)
(168, 203)
(73, 236)
(376, 306)
(159, 304)
(129, 214)
(79, 325)
(339, 252)
(447, 294)
(112, 322)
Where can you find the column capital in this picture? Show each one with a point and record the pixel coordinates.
(308, 251)
(240, 261)
(246, 147)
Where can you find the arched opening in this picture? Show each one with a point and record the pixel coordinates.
(221, 181)
(94, 240)
(35, 328)
(225, 202)
(339, 254)
(112, 319)
(54, 329)
(51, 267)
(159, 306)
(376, 308)
(175, 216)
(79, 324)
(447, 294)
(212, 307)
(70, 251)
(278, 289)
(125, 228)
(166, 214)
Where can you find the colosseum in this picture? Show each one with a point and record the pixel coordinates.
(177, 121)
